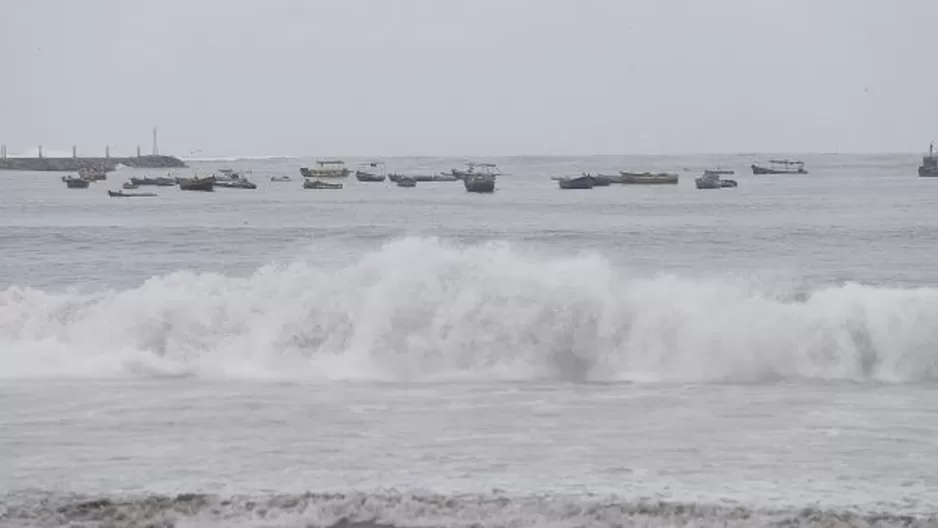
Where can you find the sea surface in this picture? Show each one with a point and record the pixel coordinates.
(427, 357)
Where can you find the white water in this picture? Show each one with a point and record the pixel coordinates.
(418, 309)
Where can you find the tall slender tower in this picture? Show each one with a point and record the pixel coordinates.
(156, 149)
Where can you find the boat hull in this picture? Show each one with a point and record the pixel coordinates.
(76, 183)
(406, 182)
(756, 169)
(583, 182)
(121, 194)
(159, 182)
(320, 185)
(363, 176)
(479, 184)
(646, 178)
(928, 172)
(712, 181)
(204, 184)
(306, 172)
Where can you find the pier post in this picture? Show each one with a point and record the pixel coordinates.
(74, 151)
(39, 150)
(138, 151)
(107, 152)
(3, 152)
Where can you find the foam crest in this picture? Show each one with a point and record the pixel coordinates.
(419, 309)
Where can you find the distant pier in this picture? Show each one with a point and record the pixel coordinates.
(75, 162)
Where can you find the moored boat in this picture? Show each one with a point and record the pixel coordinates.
(76, 183)
(479, 183)
(371, 171)
(577, 182)
(197, 184)
(236, 184)
(130, 185)
(472, 168)
(712, 180)
(441, 177)
(281, 179)
(929, 166)
(231, 179)
(780, 166)
(326, 169)
(317, 184)
(406, 181)
(646, 178)
(122, 194)
(159, 181)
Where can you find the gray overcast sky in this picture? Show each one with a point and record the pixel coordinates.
(481, 77)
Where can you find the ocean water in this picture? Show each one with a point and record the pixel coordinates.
(379, 356)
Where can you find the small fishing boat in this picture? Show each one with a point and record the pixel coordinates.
(130, 185)
(122, 194)
(316, 184)
(197, 184)
(406, 181)
(479, 183)
(159, 182)
(646, 178)
(239, 183)
(929, 166)
(578, 182)
(227, 175)
(371, 171)
(442, 177)
(712, 180)
(230, 179)
(326, 169)
(473, 169)
(780, 166)
(281, 179)
(76, 183)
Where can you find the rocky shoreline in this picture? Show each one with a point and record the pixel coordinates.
(74, 164)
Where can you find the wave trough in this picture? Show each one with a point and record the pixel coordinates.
(419, 309)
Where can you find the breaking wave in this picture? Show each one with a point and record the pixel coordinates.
(418, 309)
(399, 510)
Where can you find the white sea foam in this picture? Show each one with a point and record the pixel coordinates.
(419, 309)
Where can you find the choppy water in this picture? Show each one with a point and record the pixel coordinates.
(626, 356)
